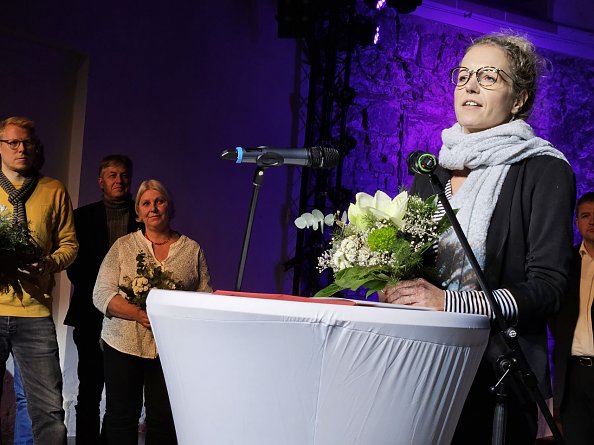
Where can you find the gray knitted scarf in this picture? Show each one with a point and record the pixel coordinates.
(488, 154)
(18, 197)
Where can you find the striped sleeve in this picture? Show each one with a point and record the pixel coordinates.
(437, 216)
(475, 302)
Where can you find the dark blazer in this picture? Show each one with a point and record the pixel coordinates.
(90, 222)
(529, 248)
(563, 326)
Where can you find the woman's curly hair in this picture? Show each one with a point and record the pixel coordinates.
(524, 64)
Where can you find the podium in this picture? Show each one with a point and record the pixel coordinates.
(258, 371)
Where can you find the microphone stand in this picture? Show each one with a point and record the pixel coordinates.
(257, 182)
(512, 361)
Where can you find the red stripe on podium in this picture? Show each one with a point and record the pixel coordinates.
(284, 297)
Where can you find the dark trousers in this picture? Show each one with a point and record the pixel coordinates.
(90, 384)
(476, 421)
(577, 408)
(125, 378)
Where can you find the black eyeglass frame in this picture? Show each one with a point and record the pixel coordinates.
(477, 72)
(13, 144)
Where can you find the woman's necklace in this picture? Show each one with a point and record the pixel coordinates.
(154, 243)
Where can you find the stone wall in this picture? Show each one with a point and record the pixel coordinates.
(404, 100)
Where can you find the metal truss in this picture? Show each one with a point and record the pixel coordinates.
(327, 51)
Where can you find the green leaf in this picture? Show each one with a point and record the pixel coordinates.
(328, 291)
(129, 293)
(353, 277)
(375, 285)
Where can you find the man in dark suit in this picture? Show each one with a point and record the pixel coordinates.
(573, 354)
(98, 225)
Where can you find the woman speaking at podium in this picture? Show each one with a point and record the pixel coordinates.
(515, 194)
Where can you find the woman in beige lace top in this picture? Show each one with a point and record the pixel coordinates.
(132, 366)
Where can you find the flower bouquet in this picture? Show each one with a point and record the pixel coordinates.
(148, 276)
(17, 249)
(383, 242)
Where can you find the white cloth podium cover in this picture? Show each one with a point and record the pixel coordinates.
(259, 371)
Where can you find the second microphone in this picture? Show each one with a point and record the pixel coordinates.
(263, 156)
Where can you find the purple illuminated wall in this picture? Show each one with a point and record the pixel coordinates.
(404, 100)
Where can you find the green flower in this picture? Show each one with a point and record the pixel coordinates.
(383, 239)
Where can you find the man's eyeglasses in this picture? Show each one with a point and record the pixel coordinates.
(486, 76)
(13, 144)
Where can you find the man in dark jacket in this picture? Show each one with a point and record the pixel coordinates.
(573, 354)
(98, 225)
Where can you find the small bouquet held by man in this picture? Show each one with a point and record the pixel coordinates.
(18, 249)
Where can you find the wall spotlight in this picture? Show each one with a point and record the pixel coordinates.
(365, 31)
(375, 4)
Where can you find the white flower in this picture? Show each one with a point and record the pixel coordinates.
(358, 210)
(350, 247)
(339, 261)
(381, 206)
(139, 285)
(363, 256)
(394, 209)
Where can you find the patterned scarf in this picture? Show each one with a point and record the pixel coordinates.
(488, 154)
(18, 197)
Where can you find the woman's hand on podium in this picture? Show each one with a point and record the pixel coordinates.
(417, 292)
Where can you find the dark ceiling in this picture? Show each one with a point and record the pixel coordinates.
(577, 14)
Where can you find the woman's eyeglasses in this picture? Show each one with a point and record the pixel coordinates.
(486, 76)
